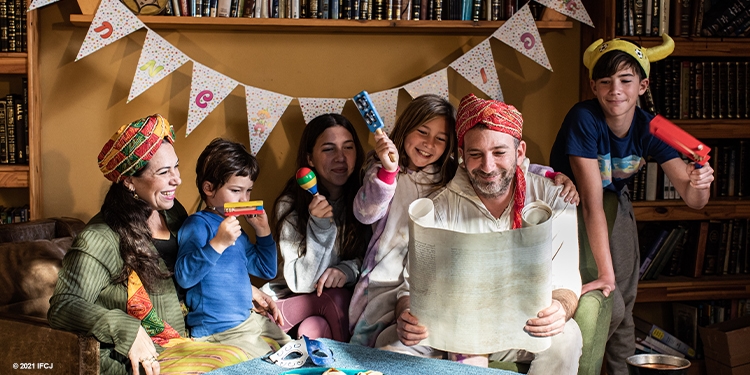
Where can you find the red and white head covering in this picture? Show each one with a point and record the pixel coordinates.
(495, 115)
(132, 146)
(501, 117)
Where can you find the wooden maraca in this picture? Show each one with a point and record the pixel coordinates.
(307, 180)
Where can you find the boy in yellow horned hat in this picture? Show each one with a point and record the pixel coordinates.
(602, 144)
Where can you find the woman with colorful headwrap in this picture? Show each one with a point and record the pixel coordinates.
(116, 280)
(603, 143)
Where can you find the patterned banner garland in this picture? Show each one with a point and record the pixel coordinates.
(314, 107)
(570, 8)
(264, 109)
(478, 66)
(40, 3)
(520, 32)
(385, 102)
(158, 59)
(207, 90)
(113, 20)
(435, 83)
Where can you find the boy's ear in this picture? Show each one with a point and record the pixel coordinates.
(208, 188)
(643, 86)
(592, 84)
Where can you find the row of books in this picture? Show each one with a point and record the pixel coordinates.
(14, 130)
(684, 18)
(731, 162)
(716, 247)
(10, 215)
(651, 183)
(683, 339)
(12, 26)
(662, 250)
(468, 10)
(701, 88)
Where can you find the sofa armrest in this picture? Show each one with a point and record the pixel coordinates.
(68, 226)
(30, 340)
(593, 316)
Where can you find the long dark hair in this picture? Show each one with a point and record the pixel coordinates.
(420, 111)
(352, 242)
(128, 217)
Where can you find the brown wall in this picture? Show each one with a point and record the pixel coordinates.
(84, 102)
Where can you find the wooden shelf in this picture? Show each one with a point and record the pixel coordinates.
(716, 128)
(692, 47)
(13, 63)
(14, 176)
(323, 25)
(717, 208)
(681, 288)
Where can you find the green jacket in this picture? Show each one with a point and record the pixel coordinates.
(87, 301)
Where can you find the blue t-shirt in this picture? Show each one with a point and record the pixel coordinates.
(585, 133)
(219, 293)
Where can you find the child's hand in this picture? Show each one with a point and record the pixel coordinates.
(383, 147)
(331, 278)
(700, 178)
(259, 223)
(569, 189)
(228, 232)
(319, 207)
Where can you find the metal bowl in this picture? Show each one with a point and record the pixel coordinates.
(657, 364)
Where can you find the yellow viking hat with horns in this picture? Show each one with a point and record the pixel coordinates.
(644, 56)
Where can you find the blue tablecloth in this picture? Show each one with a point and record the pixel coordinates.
(349, 356)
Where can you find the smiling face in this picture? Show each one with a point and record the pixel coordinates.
(236, 189)
(618, 93)
(333, 158)
(157, 183)
(426, 144)
(490, 158)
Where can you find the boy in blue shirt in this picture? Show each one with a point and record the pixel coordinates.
(216, 257)
(602, 144)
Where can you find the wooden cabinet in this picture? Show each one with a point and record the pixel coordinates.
(603, 14)
(21, 184)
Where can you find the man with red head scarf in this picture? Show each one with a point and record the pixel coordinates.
(487, 195)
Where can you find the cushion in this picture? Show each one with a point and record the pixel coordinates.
(28, 274)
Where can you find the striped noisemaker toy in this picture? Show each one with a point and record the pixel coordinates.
(307, 180)
(243, 208)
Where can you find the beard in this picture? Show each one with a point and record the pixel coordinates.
(491, 189)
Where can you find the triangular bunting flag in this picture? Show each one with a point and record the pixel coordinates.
(314, 107)
(113, 20)
(570, 8)
(207, 90)
(158, 59)
(40, 3)
(435, 83)
(520, 32)
(478, 66)
(264, 109)
(385, 102)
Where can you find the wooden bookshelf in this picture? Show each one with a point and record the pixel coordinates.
(323, 25)
(682, 288)
(675, 209)
(716, 128)
(27, 176)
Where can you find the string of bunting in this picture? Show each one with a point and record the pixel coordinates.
(113, 21)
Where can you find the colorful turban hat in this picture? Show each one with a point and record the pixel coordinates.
(495, 115)
(644, 56)
(133, 146)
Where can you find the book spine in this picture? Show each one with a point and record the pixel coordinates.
(697, 17)
(652, 252)
(718, 20)
(3, 134)
(10, 130)
(21, 142)
(11, 5)
(638, 12)
(651, 180)
(223, 8)
(661, 347)
(3, 26)
(698, 90)
(684, 90)
(416, 10)
(668, 339)
(676, 26)
(743, 168)
(648, 9)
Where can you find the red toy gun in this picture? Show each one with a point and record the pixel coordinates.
(680, 140)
